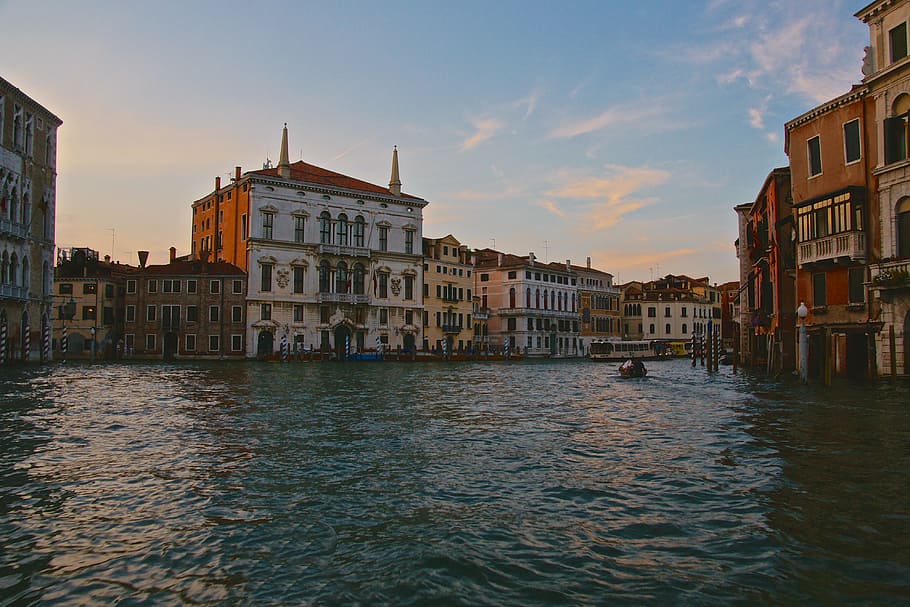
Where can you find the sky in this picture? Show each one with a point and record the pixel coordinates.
(621, 131)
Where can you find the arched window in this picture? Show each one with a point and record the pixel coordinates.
(537, 298)
(359, 230)
(341, 277)
(26, 279)
(546, 300)
(26, 209)
(14, 270)
(651, 329)
(342, 230)
(528, 297)
(45, 279)
(324, 284)
(552, 300)
(325, 228)
(903, 228)
(14, 206)
(4, 269)
(559, 301)
(512, 297)
(358, 278)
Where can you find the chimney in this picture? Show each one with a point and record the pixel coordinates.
(236, 173)
(173, 251)
(499, 259)
(217, 183)
(589, 263)
(531, 258)
(143, 258)
(107, 259)
(568, 265)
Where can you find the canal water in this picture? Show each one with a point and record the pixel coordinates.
(524, 483)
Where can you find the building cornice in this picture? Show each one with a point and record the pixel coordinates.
(873, 10)
(321, 189)
(858, 92)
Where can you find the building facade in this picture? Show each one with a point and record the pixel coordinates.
(447, 296)
(93, 289)
(185, 309)
(836, 228)
(887, 139)
(334, 263)
(28, 201)
(527, 306)
(598, 304)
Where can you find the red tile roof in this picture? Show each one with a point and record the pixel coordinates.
(190, 268)
(308, 173)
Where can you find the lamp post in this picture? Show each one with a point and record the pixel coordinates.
(66, 312)
(93, 330)
(802, 312)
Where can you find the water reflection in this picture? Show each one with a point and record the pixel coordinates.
(484, 483)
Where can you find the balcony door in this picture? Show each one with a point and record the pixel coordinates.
(903, 228)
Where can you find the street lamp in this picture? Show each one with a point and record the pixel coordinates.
(66, 312)
(802, 312)
(93, 330)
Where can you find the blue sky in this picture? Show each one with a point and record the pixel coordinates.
(617, 130)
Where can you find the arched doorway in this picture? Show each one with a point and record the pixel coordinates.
(342, 341)
(410, 344)
(266, 344)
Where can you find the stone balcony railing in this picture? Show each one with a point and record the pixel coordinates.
(10, 228)
(349, 298)
(847, 244)
(890, 276)
(344, 250)
(13, 292)
(564, 314)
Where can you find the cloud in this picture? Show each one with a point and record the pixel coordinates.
(551, 206)
(624, 259)
(609, 117)
(350, 149)
(529, 102)
(606, 199)
(755, 118)
(484, 128)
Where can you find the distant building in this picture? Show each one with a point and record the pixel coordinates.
(729, 314)
(530, 306)
(598, 305)
(185, 309)
(631, 300)
(28, 202)
(334, 263)
(447, 295)
(93, 289)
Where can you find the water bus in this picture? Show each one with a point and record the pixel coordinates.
(621, 350)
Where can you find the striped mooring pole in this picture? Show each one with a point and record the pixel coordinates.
(46, 343)
(3, 342)
(284, 348)
(27, 342)
(63, 344)
(505, 348)
(378, 346)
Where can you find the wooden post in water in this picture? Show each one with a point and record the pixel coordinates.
(717, 344)
(892, 345)
(709, 343)
(828, 357)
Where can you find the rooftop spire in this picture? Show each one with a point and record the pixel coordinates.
(395, 181)
(284, 166)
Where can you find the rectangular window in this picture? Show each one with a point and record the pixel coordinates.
(383, 285)
(153, 286)
(90, 313)
(409, 287)
(512, 324)
(89, 288)
(109, 291)
(151, 313)
(170, 317)
(214, 287)
(150, 343)
(409, 317)
(484, 278)
(131, 313)
(299, 228)
(214, 343)
(383, 316)
(898, 39)
(851, 141)
(191, 285)
(190, 343)
(857, 288)
(266, 277)
(815, 156)
(298, 280)
(238, 287)
(67, 288)
(265, 311)
(298, 313)
(652, 312)
(192, 314)
(383, 238)
(243, 227)
(819, 291)
(268, 221)
(214, 313)
(236, 343)
(409, 241)
(236, 313)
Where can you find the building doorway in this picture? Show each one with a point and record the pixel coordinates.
(857, 355)
(410, 344)
(342, 341)
(265, 344)
(170, 345)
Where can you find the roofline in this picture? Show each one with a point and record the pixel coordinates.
(872, 9)
(856, 93)
(31, 99)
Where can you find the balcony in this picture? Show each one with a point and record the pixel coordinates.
(539, 312)
(482, 314)
(13, 292)
(890, 277)
(348, 298)
(17, 230)
(851, 245)
(454, 329)
(344, 250)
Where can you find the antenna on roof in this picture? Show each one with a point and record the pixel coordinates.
(267, 164)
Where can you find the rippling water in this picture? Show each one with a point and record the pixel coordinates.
(536, 483)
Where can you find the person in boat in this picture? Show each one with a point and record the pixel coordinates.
(638, 367)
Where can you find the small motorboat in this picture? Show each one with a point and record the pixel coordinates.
(632, 368)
